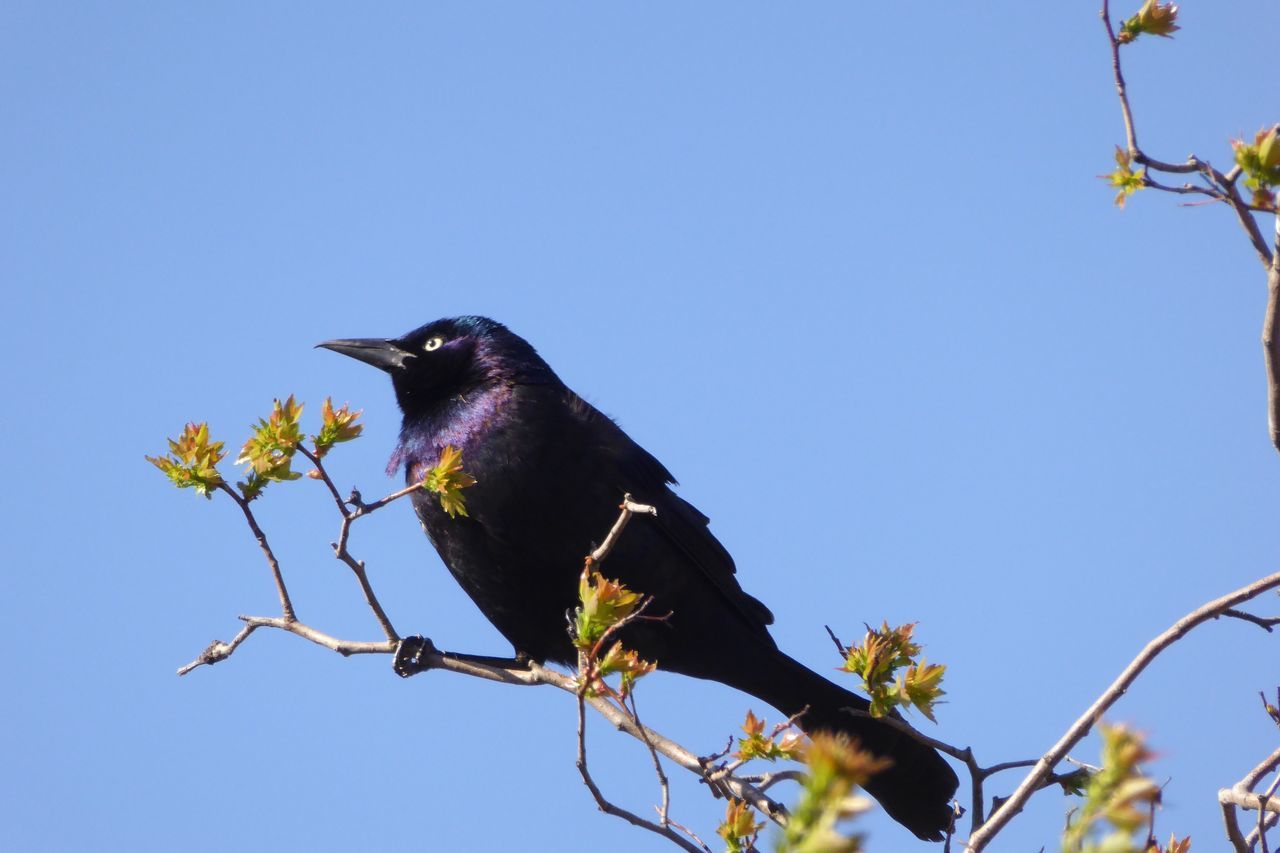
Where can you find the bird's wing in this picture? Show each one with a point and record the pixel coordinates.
(681, 522)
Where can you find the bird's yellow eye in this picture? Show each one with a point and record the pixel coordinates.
(433, 344)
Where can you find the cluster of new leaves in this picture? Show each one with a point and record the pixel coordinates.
(891, 673)
(447, 479)
(1157, 19)
(338, 425)
(1260, 163)
(835, 766)
(1124, 178)
(270, 449)
(771, 747)
(192, 460)
(1118, 801)
(604, 606)
(739, 829)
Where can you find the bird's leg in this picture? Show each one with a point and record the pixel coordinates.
(412, 655)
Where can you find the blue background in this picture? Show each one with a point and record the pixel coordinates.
(844, 267)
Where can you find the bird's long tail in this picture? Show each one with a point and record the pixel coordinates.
(915, 790)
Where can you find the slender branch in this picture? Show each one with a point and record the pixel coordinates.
(1271, 342)
(324, 476)
(609, 808)
(664, 811)
(357, 566)
(629, 508)
(1268, 820)
(1109, 697)
(286, 606)
(765, 781)
(1266, 623)
(219, 651)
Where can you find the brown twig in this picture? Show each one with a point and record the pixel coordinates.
(629, 508)
(1266, 623)
(1271, 342)
(324, 476)
(286, 606)
(1081, 727)
(663, 829)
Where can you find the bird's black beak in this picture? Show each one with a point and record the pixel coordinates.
(381, 353)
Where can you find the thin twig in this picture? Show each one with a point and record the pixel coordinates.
(629, 508)
(1271, 342)
(286, 606)
(324, 476)
(664, 811)
(1266, 623)
(1109, 697)
(603, 804)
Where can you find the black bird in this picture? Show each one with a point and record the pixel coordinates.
(551, 470)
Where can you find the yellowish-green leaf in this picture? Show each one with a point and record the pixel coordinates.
(1124, 178)
(447, 479)
(835, 766)
(603, 604)
(624, 662)
(739, 829)
(338, 425)
(1260, 162)
(1157, 19)
(757, 744)
(192, 461)
(881, 655)
(269, 450)
(1117, 798)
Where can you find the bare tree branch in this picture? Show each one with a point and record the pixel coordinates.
(1081, 727)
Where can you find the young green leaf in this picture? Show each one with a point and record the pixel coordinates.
(447, 479)
(269, 450)
(1158, 19)
(757, 745)
(1118, 798)
(626, 663)
(604, 603)
(1124, 178)
(885, 651)
(337, 425)
(1260, 162)
(835, 766)
(739, 828)
(192, 461)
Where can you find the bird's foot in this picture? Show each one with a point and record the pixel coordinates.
(411, 656)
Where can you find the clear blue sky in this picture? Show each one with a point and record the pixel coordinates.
(845, 268)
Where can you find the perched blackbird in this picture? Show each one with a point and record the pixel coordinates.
(551, 471)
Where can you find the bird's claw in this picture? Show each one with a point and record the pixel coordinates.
(411, 654)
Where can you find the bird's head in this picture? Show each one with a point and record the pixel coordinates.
(448, 357)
